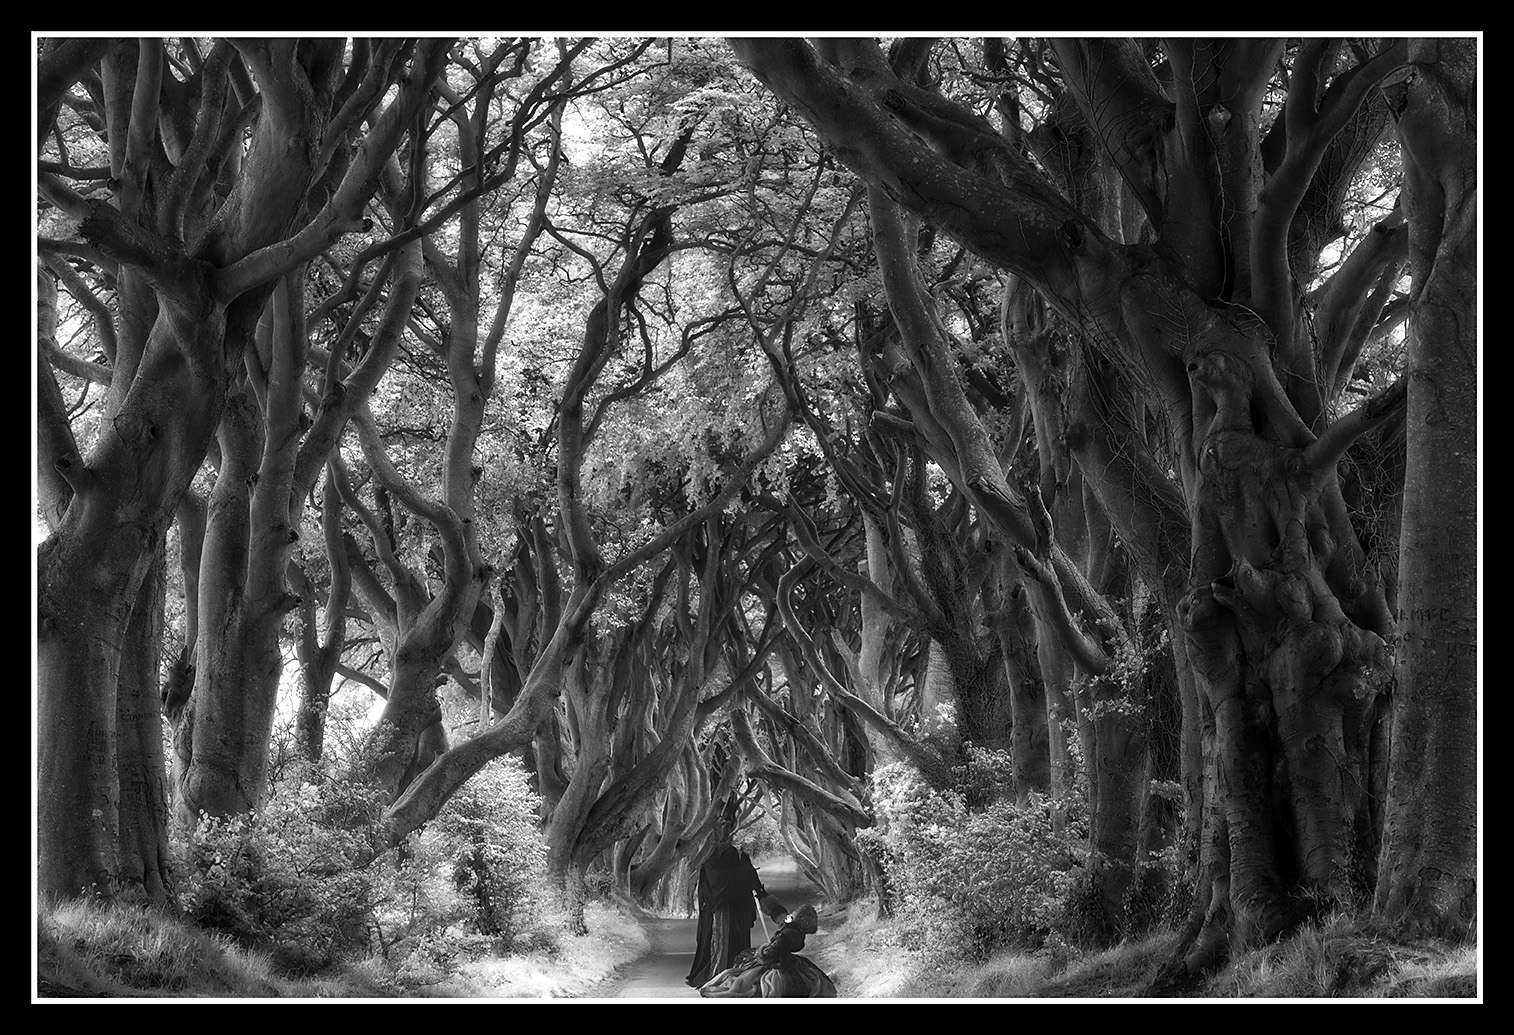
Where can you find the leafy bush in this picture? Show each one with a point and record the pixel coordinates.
(966, 882)
(491, 832)
(291, 878)
(473, 882)
(309, 878)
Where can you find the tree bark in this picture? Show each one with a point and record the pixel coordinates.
(145, 864)
(195, 257)
(1428, 876)
(1284, 624)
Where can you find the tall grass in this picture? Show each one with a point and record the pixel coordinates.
(106, 949)
(1338, 959)
(868, 958)
(103, 950)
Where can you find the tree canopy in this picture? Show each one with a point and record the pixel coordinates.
(1080, 427)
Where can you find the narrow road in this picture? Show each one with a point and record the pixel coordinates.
(660, 973)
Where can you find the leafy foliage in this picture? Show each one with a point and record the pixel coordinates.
(292, 878)
(486, 846)
(306, 878)
(967, 882)
(770, 271)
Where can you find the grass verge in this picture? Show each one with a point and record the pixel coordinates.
(89, 950)
(1338, 960)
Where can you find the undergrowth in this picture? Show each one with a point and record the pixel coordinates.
(100, 949)
(865, 955)
(304, 898)
(970, 879)
(93, 949)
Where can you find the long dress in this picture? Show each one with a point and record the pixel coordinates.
(775, 971)
(728, 890)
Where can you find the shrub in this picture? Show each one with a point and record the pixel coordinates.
(289, 878)
(473, 881)
(309, 878)
(966, 882)
(490, 831)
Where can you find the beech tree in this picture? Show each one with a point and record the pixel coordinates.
(1429, 877)
(1206, 411)
(428, 624)
(635, 231)
(185, 179)
(1102, 408)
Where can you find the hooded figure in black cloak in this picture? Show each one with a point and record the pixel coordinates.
(729, 893)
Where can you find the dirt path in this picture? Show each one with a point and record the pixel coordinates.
(660, 973)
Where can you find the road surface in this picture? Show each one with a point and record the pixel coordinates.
(660, 973)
